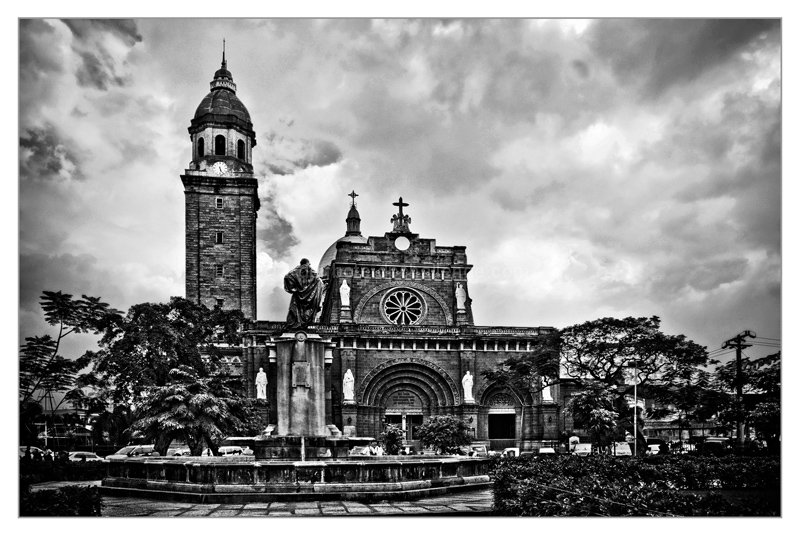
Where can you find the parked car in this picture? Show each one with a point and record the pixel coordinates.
(661, 447)
(715, 446)
(179, 452)
(140, 450)
(510, 452)
(582, 449)
(230, 450)
(81, 457)
(621, 449)
(474, 450)
(33, 449)
(359, 450)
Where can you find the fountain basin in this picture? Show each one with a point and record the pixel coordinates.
(243, 479)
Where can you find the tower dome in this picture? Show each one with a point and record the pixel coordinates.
(221, 107)
(221, 131)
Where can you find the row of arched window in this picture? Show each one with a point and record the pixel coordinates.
(220, 146)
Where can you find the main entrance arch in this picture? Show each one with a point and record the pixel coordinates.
(405, 391)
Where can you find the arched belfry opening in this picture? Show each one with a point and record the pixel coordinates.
(201, 147)
(219, 145)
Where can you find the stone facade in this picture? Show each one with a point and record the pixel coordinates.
(408, 335)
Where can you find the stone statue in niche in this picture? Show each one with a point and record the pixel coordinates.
(461, 297)
(306, 290)
(261, 384)
(344, 293)
(466, 383)
(348, 385)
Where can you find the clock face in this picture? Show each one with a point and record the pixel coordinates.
(219, 168)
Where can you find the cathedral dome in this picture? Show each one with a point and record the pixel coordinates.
(330, 253)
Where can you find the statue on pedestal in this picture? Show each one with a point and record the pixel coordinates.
(348, 385)
(306, 290)
(344, 293)
(466, 383)
(461, 297)
(261, 384)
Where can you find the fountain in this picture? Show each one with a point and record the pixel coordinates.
(302, 458)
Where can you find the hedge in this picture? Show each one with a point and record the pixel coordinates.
(651, 486)
(67, 501)
(41, 471)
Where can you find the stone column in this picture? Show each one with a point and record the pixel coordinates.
(301, 384)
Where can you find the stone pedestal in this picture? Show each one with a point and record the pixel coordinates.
(300, 383)
(349, 418)
(461, 317)
(549, 413)
(469, 412)
(345, 315)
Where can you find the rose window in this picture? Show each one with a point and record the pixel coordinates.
(403, 307)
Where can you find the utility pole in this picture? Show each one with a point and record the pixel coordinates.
(739, 343)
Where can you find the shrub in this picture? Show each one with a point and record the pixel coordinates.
(67, 501)
(445, 433)
(653, 486)
(392, 438)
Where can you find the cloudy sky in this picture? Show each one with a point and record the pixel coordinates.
(591, 167)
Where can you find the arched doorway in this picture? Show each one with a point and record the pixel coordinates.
(405, 392)
(503, 411)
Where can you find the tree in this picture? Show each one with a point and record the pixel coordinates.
(43, 369)
(199, 410)
(139, 351)
(615, 353)
(761, 379)
(392, 438)
(593, 408)
(445, 433)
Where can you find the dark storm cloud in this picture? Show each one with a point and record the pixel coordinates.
(73, 274)
(275, 232)
(98, 68)
(36, 59)
(668, 52)
(698, 274)
(125, 29)
(45, 156)
(288, 155)
(519, 199)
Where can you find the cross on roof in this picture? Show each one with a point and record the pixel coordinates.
(401, 204)
(353, 196)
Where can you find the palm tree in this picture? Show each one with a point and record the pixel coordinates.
(201, 411)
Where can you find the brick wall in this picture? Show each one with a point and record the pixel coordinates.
(236, 220)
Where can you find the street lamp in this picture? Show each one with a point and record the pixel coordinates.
(635, 408)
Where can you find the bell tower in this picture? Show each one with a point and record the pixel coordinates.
(221, 196)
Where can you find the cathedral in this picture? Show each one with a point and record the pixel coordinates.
(396, 314)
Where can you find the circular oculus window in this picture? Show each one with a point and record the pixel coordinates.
(403, 308)
(402, 243)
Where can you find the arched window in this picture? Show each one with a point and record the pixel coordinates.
(201, 147)
(240, 149)
(219, 145)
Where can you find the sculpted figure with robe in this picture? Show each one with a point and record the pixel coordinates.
(306, 290)
(348, 385)
(261, 384)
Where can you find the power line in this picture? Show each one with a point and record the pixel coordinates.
(768, 338)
